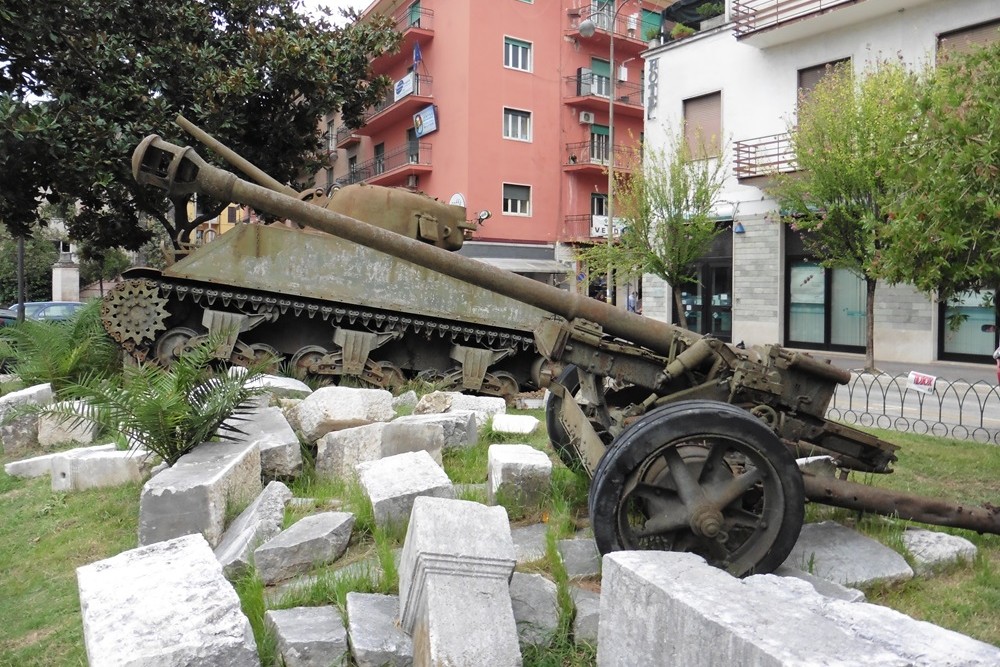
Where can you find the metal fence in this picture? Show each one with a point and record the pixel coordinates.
(953, 408)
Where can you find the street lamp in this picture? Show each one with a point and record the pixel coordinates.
(587, 28)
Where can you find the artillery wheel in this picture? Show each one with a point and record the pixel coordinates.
(303, 360)
(134, 312)
(172, 344)
(700, 476)
(560, 439)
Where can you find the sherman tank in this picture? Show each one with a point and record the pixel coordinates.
(331, 309)
(690, 443)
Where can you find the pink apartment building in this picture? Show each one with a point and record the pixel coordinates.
(505, 105)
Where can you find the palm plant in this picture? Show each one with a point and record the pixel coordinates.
(167, 411)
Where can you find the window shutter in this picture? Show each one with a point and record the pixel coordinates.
(963, 41)
(601, 67)
(703, 124)
(599, 129)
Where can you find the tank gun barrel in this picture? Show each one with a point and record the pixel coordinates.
(181, 170)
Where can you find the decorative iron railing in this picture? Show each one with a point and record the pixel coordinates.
(411, 152)
(752, 15)
(589, 84)
(762, 156)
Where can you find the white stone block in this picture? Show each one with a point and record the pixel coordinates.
(845, 556)
(269, 430)
(37, 466)
(282, 387)
(258, 523)
(460, 427)
(309, 636)
(452, 401)
(54, 430)
(97, 469)
(166, 605)
(376, 639)
(519, 472)
(334, 408)
(315, 540)
(514, 424)
(931, 549)
(339, 452)
(21, 433)
(394, 482)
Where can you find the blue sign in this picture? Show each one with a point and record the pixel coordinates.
(425, 121)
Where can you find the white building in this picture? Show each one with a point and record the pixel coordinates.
(740, 81)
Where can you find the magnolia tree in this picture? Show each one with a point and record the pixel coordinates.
(668, 203)
(850, 141)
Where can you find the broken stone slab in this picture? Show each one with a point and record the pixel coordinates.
(587, 615)
(165, 604)
(315, 540)
(529, 542)
(21, 434)
(933, 550)
(97, 469)
(335, 408)
(519, 473)
(407, 400)
(845, 556)
(258, 523)
(580, 557)
(413, 437)
(269, 430)
(193, 495)
(37, 466)
(694, 614)
(536, 610)
(394, 482)
(514, 424)
(454, 577)
(53, 430)
(309, 636)
(376, 640)
(484, 407)
(338, 453)
(460, 427)
(830, 589)
(912, 642)
(281, 387)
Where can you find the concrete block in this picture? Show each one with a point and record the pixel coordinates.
(580, 557)
(460, 427)
(309, 636)
(54, 430)
(281, 387)
(167, 605)
(394, 482)
(21, 434)
(258, 523)
(193, 495)
(269, 430)
(830, 589)
(335, 408)
(536, 611)
(831, 551)
(376, 639)
(484, 407)
(454, 572)
(932, 550)
(514, 424)
(586, 619)
(339, 452)
(407, 400)
(315, 540)
(97, 469)
(529, 542)
(37, 466)
(413, 437)
(519, 473)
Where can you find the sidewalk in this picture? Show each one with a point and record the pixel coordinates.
(946, 370)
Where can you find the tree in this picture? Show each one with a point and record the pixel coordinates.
(100, 264)
(849, 145)
(946, 239)
(82, 82)
(39, 256)
(668, 204)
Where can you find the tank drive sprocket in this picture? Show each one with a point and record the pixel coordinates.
(134, 312)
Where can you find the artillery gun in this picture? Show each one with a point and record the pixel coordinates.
(690, 442)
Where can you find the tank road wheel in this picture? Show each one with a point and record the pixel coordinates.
(134, 312)
(700, 476)
(305, 359)
(502, 384)
(393, 378)
(267, 355)
(172, 344)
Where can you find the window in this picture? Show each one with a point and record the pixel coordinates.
(810, 76)
(703, 125)
(599, 146)
(414, 14)
(517, 124)
(516, 199)
(412, 146)
(331, 137)
(966, 39)
(516, 54)
(379, 158)
(601, 84)
(231, 214)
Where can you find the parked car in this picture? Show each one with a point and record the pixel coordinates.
(7, 317)
(52, 311)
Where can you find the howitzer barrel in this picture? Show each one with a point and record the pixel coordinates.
(181, 170)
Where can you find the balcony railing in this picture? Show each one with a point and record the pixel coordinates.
(585, 226)
(593, 153)
(589, 84)
(752, 15)
(763, 156)
(627, 26)
(421, 88)
(345, 133)
(414, 17)
(410, 153)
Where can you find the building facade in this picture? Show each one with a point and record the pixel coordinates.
(505, 106)
(741, 81)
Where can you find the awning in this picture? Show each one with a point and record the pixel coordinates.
(517, 265)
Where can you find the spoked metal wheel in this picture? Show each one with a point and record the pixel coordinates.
(267, 355)
(172, 344)
(303, 362)
(704, 477)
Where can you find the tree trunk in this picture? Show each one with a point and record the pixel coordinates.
(681, 316)
(870, 324)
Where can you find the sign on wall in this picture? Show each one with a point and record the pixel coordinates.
(425, 121)
(404, 86)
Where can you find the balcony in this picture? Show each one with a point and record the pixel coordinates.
(417, 26)
(766, 23)
(346, 137)
(587, 228)
(592, 157)
(390, 109)
(592, 92)
(394, 167)
(764, 156)
(628, 30)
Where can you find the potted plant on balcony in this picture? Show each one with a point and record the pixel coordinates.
(711, 15)
(680, 31)
(652, 36)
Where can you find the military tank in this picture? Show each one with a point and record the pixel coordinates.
(690, 442)
(330, 309)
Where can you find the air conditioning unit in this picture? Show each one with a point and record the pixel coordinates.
(587, 117)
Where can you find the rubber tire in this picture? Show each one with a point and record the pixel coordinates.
(679, 422)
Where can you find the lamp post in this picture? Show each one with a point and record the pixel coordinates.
(587, 28)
